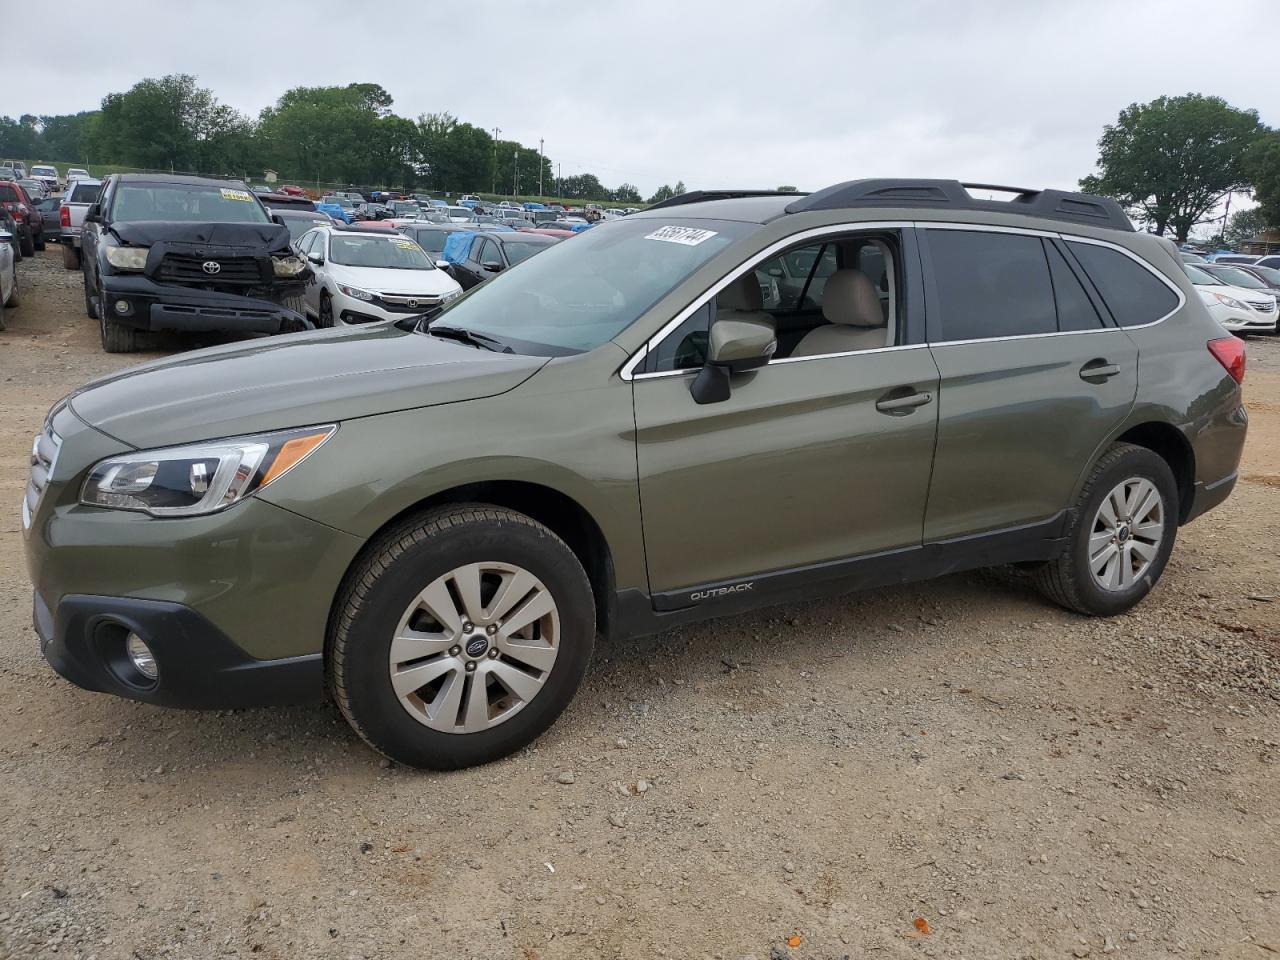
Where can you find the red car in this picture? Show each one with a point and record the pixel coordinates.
(289, 190)
(15, 201)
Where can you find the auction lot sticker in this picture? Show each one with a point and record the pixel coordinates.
(236, 195)
(689, 236)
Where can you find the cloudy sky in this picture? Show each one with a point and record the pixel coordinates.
(712, 92)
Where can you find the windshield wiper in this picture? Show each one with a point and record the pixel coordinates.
(482, 340)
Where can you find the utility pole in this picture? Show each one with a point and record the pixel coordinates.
(541, 161)
(515, 173)
(1222, 234)
(559, 185)
(493, 187)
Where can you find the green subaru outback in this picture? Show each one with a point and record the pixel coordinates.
(728, 400)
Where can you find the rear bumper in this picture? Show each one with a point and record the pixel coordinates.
(156, 306)
(198, 666)
(1209, 495)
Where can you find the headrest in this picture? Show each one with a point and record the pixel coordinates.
(743, 295)
(850, 298)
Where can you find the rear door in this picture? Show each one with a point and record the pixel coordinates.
(1034, 377)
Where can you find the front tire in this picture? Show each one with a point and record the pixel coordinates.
(326, 311)
(1121, 534)
(39, 241)
(26, 241)
(461, 637)
(13, 300)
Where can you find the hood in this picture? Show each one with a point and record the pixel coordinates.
(433, 282)
(260, 237)
(293, 380)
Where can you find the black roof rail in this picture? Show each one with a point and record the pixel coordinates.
(697, 196)
(954, 195)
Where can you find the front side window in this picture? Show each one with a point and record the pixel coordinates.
(185, 203)
(1132, 293)
(522, 251)
(990, 285)
(573, 297)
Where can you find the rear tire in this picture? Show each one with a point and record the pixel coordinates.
(39, 241)
(26, 242)
(70, 256)
(419, 559)
(1127, 546)
(13, 300)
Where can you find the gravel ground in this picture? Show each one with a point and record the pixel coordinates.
(948, 769)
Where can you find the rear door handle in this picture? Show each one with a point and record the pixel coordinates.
(903, 405)
(1098, 370)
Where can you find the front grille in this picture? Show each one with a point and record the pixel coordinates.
(409, 302)
(1262, 306)
(176, 268)
(44, 454)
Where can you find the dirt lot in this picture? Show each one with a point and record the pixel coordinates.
(819, 781)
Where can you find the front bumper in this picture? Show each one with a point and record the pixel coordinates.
(198, 666)
(158, 306)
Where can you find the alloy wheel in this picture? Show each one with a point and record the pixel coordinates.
(475, 647)
(1126, 534)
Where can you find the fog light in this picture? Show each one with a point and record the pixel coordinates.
(140, 656)
(122, 307)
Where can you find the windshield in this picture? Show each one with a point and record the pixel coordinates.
(300, 225)
(388, 253)
(43, 172)
(1201, 278)
(432, 240)
(459, 212)
(185, 203)
(1238, 278)
(1270, 274)
(574, 296)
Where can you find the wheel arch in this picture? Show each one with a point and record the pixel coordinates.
(557, 511)
(1172, 446)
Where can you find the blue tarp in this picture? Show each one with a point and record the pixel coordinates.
(456, 246)
(534, 206)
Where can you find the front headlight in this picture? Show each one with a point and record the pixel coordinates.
(201, 478)
(289, 266)
(357, 293)
(450, 296)
(1231, 302)
(127, 258)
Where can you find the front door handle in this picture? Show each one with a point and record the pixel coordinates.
(1098, 370)
(903, 405)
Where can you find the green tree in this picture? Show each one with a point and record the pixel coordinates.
(68, 136)
(1171, 160)
(627, 193)
(664, 192)
(329, 133)
(679, 188)
(583, 186)
(18, 138)
(1262, 166)
(1245, 225)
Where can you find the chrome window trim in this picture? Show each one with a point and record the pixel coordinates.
(628, 369)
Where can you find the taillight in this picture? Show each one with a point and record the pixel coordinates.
(64, 217)
(1229, 351)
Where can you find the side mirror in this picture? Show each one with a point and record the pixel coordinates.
(316, 259)
(277, 219)
(734, 346)
(492, 267)
(94, 213)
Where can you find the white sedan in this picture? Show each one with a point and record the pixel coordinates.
(1237, 309)
(360, 277)
(8, 274)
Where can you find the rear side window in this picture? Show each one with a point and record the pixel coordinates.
(1075, 309)
(990, 285)
(1133, 294)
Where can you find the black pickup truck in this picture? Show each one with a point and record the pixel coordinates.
(187, 253)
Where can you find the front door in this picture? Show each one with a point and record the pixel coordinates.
(815, 457)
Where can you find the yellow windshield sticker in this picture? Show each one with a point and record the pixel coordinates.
(236, 195)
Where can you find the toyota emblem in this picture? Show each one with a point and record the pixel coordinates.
(211, 267)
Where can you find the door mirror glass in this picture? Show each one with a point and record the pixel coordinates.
(315, 258)
(93, 214)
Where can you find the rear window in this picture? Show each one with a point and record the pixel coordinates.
(84, 193)
(1133, 294)
(8, 194)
